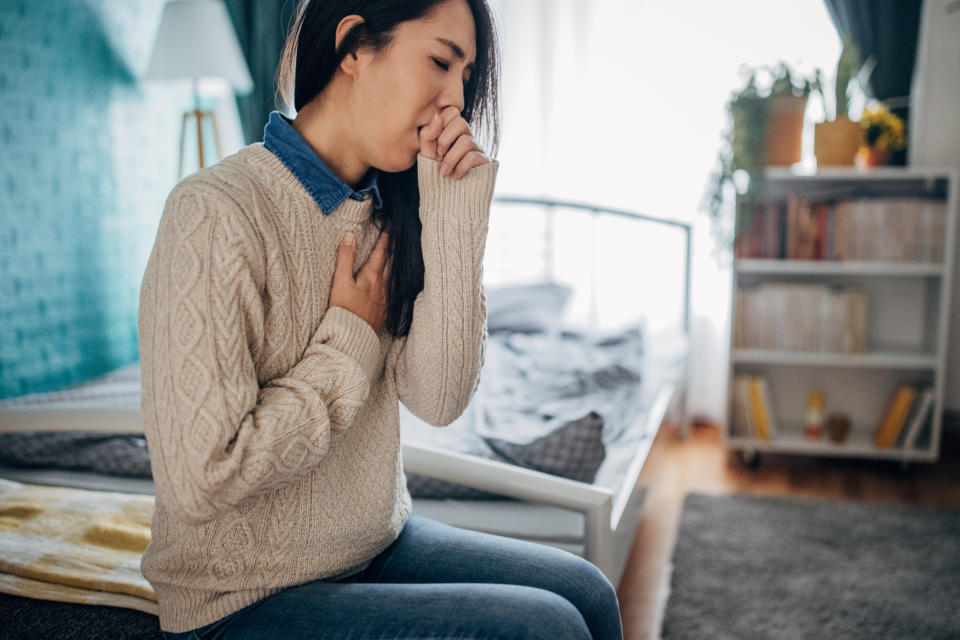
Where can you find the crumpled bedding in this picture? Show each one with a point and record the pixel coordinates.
(534, 383)
(551, 401)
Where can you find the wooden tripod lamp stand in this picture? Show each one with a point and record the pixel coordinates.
(198, 115)
(196, 41)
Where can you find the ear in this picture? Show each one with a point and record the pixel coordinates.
(351, 62)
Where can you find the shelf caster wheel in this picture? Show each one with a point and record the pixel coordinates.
(750, 458)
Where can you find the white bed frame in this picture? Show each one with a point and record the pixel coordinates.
(604, 526)
(601, 510)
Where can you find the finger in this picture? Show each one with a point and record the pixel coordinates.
(448, 114)
(346, 254)
(378, 256)
(471, 160)
(456, 129)
(460, 148)
(428, 138)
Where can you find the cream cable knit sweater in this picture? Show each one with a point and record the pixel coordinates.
(272, 420)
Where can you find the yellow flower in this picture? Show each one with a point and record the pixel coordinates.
(882, 129)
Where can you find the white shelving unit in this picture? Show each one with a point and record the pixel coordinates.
(907, 325)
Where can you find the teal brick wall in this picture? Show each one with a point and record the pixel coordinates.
(88, 156)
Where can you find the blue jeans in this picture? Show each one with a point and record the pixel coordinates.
(438, 581)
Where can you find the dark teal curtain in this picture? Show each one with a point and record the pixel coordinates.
(887, 30)
(262, 27)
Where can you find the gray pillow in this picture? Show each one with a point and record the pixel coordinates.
(574, 450)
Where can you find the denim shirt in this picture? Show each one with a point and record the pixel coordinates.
(327, 190)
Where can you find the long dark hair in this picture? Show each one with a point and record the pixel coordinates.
(310, 59)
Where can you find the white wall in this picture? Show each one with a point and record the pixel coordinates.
(935, 132)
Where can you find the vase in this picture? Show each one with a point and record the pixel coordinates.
(872, 157)
(785, 129)
(835, 142)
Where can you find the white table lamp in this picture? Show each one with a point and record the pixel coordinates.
(196, 41)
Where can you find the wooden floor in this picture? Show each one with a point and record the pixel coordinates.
(699, 463)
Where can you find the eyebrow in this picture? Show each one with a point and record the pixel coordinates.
(457, 51)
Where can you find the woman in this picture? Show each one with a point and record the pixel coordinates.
(296, 292)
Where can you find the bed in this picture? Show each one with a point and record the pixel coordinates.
(578, 379)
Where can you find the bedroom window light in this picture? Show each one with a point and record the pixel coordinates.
(621, 103)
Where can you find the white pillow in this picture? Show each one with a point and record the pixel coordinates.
(526, 307)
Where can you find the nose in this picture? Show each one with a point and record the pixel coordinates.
(452, 95)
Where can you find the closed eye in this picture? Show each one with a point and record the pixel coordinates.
(446, 67)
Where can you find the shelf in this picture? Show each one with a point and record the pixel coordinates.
(907, 314)
(859, 445)
(837, 268)
(875, 360)
(855, 173)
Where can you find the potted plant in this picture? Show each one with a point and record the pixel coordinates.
(882, 132)
(766, 127)
(836, 140)
(785, 109)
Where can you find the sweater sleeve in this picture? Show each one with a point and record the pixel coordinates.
(438, 363)
(217, 438)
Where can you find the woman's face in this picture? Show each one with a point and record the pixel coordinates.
(423, 71)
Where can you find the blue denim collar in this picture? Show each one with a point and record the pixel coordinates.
(327, 190)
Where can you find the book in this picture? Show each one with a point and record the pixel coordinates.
(800, 316)
(769, 413)
(756, 231)
(894, 417)
(772, 230)
(830, 249)
(820, 243)
(782, 229)
(742, 421)
(802, 232)
(761, 409)
(790, 222)
(923, 407)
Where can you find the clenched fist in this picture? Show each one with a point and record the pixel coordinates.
(448, 140)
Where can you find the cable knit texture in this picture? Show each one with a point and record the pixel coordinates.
(273, 421)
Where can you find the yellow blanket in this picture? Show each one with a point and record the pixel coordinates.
(75, 545)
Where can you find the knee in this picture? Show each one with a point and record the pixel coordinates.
(591, 592)
(544, 615)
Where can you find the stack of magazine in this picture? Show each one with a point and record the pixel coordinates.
(800, 316)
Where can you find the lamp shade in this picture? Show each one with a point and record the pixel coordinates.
(196, 40)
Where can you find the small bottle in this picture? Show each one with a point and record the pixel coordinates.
(813, 424)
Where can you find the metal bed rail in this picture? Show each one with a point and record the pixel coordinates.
(551, 205)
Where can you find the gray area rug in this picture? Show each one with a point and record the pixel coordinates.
(761, 567)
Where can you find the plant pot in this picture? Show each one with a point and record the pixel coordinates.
(784, 140)
(835, 142)
(838, 427)
(872, 157)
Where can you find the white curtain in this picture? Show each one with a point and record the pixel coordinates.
(621, 103)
